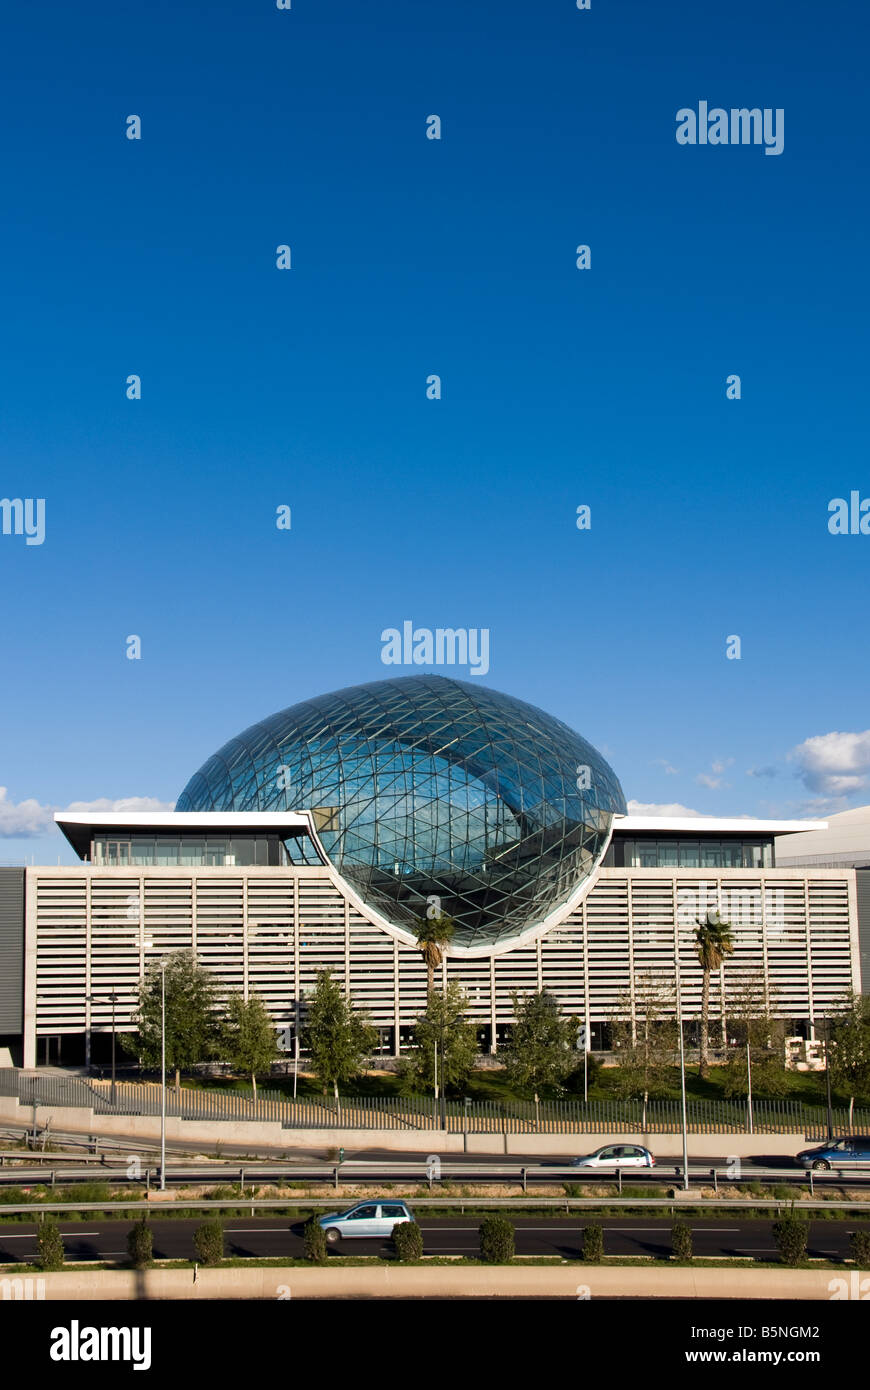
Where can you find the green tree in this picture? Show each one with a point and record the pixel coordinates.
(713, 942)
(314, 1241)
(681, 1241)
(442, 1025)
(248, 1039)
(791, 1234)
(497, 1240)
(434, 934)
(541, 1048)
(50, 1244)
(645, 1039)
(751, 1022)
(208, 1241)
(850, 1047)
(192, 1033)
(859, 1240)
(140, 1244)
(338, 1037)
(593, 1243)
(408, 1241)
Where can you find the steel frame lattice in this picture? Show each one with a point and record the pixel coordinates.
(426, 786)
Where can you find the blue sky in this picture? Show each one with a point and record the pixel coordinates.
(307, 387)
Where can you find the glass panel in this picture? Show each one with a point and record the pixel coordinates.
(427, 786)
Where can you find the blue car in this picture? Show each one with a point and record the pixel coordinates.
(365, 1221)
(853, 1152)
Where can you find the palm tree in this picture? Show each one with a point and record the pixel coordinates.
(433, 934)
(713, 942)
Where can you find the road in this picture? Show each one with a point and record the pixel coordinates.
(270, 1237)
(407, 1168)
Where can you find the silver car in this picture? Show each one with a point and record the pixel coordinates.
(616, 1156)
(365, 1221)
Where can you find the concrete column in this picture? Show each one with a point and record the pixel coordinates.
(397, 996)
(31, 880)
(88, 882)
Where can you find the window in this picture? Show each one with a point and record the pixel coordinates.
(675, 852)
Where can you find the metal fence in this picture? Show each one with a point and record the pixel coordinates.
(425, 1113)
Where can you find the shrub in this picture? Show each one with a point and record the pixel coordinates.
(408, 1241)
(50, 1244)
(208, 1241)
(860, 1243)
(86, 1192)
(140, 1244)
(314, 1238)
(791, 1234)
(574, 1080)
(681, 1241)
(497, 1243)
(16, 1196)
(593, 1244)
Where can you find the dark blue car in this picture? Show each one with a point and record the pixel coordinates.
(853, 1152)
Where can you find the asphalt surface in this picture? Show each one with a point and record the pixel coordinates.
(387, 1167)
(270, 1237)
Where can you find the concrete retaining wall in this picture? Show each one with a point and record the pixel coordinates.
(246, 1134)
(577, 1281)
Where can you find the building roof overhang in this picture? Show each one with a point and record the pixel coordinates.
(712, 825)
(80, 827)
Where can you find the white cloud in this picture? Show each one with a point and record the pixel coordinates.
(652, 808)
(714, 777)
(25, 818)
(28, 818)
(834, 764)
(668, 769)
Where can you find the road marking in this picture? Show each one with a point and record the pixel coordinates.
(63, 1233)
(723, 1230)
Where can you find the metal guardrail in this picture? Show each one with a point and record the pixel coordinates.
(566, 1203)
(424, 1113)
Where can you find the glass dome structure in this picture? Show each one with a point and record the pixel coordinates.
(426, 787)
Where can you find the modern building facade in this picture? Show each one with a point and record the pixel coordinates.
(318, 837)
(844, 843)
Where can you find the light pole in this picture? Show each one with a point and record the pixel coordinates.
(685, 1121)
(828, 1078)
(114, 1000)
(148, 944)
(749, 1083)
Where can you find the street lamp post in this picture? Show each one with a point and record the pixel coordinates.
(749, 1084)
(163, 1076)
(828, 1078)
(685, 1120)
(114, 1000)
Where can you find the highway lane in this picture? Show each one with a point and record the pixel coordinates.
(271, 1237)
(414, 1171)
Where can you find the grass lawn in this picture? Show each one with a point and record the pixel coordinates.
(492, 1084)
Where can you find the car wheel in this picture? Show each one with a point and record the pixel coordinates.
(821, 1163)
(333, 1236)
